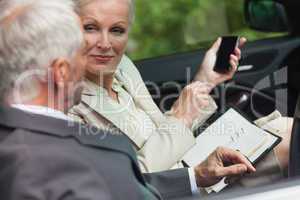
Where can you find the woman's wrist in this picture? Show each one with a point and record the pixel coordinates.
(187, 121)
(203, 79)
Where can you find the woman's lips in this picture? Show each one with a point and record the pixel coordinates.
(102, 59)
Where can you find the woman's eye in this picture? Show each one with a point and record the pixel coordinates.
(118, 31)
(90, 28)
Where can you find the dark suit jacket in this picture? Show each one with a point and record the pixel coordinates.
(50, 159)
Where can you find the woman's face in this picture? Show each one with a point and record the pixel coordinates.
(106, 26)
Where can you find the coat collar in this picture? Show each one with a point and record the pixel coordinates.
(136, 87)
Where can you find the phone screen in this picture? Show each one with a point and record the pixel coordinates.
(228, 44)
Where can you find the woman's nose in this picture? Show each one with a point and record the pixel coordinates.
(104, 42)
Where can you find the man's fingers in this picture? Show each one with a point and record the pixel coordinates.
(236, 157)
(233, 170)
(230, 180)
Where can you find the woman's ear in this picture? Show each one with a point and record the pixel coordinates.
(61, 69)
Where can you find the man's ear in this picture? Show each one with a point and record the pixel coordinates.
(61, 69)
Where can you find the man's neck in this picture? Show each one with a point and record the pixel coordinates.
(41, 110)
(43, 100)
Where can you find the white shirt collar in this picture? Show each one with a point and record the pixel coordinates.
(41, 110)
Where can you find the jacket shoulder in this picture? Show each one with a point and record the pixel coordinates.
(35, 164)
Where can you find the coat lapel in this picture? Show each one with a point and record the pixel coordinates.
(103, 106)
(135, 86)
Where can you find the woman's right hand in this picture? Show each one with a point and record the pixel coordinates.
(206, 71)
(191, 102)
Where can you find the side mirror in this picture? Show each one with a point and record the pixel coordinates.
(266, 15)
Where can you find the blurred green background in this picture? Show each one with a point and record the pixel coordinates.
(165, 27)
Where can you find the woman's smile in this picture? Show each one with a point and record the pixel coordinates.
(102, 58)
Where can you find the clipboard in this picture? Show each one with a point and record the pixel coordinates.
(261, 150)
(217, 115)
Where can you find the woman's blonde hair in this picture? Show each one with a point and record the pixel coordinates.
(81, 3)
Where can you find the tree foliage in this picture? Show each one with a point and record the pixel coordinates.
(168, 26)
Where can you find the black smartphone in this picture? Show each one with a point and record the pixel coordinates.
(228, 45)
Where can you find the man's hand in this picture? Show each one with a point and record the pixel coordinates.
(221, 163)
(206, 72)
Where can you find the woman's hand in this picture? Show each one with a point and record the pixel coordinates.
(191, 101)
(206, 72)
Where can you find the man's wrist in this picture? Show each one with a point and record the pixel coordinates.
(202, 180)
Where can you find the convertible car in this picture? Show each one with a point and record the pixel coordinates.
(268, 77)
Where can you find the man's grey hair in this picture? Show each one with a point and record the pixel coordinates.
(81, 3)
(33, 34)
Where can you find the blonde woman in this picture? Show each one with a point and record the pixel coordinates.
(115, 96)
